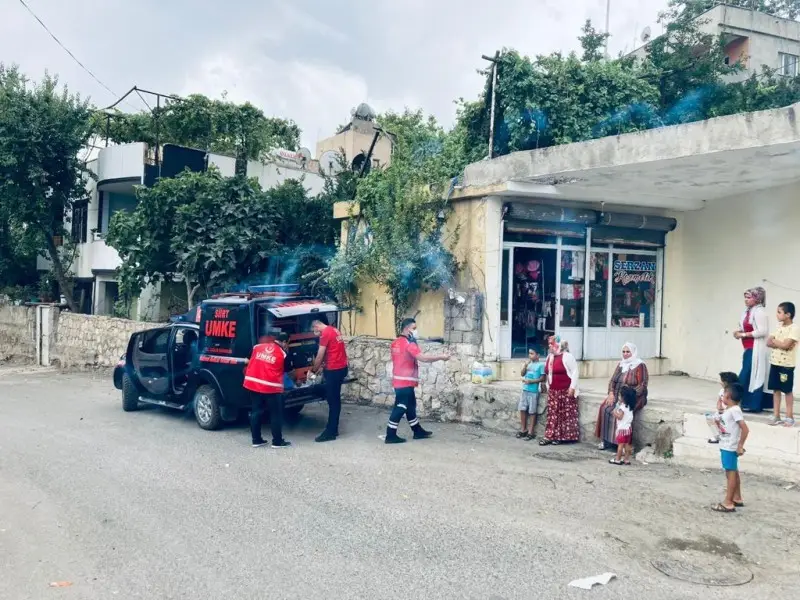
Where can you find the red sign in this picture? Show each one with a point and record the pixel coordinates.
(224, 329)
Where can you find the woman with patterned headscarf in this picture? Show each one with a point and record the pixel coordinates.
(561, 370)
(753, 331)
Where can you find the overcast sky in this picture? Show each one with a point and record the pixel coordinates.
(308, 60)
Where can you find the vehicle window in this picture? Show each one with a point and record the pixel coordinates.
(185, 335)
(155, 343)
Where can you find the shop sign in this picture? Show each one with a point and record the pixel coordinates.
(634, 271)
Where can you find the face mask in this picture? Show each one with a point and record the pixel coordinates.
(415, 334)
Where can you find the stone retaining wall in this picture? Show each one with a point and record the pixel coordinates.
(17, 332)
(93, 340)
(442, 385)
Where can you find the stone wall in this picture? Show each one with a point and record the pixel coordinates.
(84, 340)
(442, 384)
(17, 332)
(463, 317)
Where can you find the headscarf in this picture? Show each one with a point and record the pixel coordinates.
(633, 361)
(557, 345)
(759, 294)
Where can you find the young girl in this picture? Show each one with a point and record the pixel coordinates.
(624, 415)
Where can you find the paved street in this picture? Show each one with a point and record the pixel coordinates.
(149, 506)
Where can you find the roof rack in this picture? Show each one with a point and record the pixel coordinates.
(291, 290)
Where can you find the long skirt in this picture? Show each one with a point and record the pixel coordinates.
(562, 417)
(753, 401)
(606, 427)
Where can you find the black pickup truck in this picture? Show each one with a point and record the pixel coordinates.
(198, 361)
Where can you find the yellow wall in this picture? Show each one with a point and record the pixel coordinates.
(466, 228)
(354, 143)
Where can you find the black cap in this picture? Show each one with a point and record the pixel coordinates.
(281, 337)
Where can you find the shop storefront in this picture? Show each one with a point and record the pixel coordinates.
(593, 278)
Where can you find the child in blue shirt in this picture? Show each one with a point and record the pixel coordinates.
(532, 376)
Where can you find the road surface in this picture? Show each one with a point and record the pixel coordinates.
(147, 505)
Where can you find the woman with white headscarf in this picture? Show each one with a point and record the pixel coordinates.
(632, 372)
(753, 331)
(561, 369)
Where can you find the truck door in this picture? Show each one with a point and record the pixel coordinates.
(148, 354)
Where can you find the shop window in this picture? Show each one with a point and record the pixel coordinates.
(573, 271)
(599, 272)
(504, 289)
(633, 290)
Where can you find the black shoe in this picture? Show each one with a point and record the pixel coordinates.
(421, 434)
(281, 444)
(325, 437)
(395, 439)
(260, 443)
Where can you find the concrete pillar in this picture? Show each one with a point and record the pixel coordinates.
(493, 233)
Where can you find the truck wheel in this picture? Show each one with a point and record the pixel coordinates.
(206, 408)
(130, 395)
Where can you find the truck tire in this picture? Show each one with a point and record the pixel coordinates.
(130, 395)
(206, 408)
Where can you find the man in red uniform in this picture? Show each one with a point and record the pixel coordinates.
(333, 355)
(263, 378)
(406, 357)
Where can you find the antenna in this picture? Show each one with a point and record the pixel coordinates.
(330, 163)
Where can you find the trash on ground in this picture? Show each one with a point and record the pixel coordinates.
(58, 584)
(588, 583)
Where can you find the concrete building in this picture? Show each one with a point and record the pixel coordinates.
(751, 38)
(355, 139)
(650, 237)
(119, 170)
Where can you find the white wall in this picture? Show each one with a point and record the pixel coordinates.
(712, 257)
(272, 175)
(121, 162)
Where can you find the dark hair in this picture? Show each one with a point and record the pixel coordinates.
(728, 378)
(788, 308)
(322, 319)
(406, 323)
(735, 391)
(628, 396)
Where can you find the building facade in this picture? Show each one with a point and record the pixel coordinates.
(752, 39)
(650, 238)
(118, 171)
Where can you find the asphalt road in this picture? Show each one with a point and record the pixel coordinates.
(147, 505)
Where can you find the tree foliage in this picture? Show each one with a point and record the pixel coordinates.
(43, 127)
(215, 233)
(787, 9)
(241, 130)
(396, 239)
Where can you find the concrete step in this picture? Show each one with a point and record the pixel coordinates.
(770, 451)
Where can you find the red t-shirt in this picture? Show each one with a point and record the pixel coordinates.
(405, 368)
(335, 354)
(748, 342)
(264, 373)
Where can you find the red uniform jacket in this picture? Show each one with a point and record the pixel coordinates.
(405, 368)
(264, 373)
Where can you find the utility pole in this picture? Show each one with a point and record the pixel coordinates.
(494, 62)
(608, 25)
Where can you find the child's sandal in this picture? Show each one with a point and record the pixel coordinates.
(614, 461)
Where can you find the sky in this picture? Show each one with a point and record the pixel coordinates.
(310, 61)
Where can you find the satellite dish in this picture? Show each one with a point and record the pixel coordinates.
(305, 153)
(330, 163)
(646, 34)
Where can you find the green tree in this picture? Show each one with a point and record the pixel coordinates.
(241, 130)
(397, 236)
(593, 42)
(43, 127)
(559, 99)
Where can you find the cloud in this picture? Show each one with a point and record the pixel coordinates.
(303, 59)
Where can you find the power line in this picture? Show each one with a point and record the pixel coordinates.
(52, 35)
